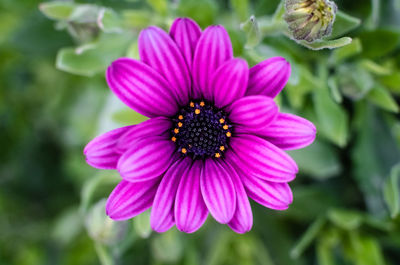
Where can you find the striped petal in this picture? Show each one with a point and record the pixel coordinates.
(213, 49)
(101, 151)
(261, 159)
(152, 127)
(253, 113)
(158, 50)
(162, 212)
(130, 199)
(289, 132)
(218, 191)
(190, 210)
(148, 158)
(269, 77)
(186, 33)
(141, 88)
(229, 82)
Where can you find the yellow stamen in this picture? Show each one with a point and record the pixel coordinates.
(180, 117)
(225, 127)
(222, 148)
(180, 124)
(173, 139)
(202, 103)
(197, 111)
(221, 120)
(176, 130)
(192, 104)
(184, 151)
(217, 155)
(228, 134)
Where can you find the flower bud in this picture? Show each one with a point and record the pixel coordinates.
(310, 20)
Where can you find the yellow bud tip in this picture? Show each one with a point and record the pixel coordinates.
(202, 103)
(180, 117)
(221, 120)
(225, 127)
(197, 111)
(173, 139)
(228, 134)
(222, 148)
(176, 130)
(184, 151)
(217, 155)
(180, 124)
(192, 104)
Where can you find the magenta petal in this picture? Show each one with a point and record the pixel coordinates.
(218, 191)
(152, 127)
(213, 49)
(101, 151)
(242, 220)
(190, 210)
(141, 88)
(253, 113)
(289, 132)
(158, 50)
(261, 159)
(147, 158)
(162, 212)
(269, 77)
(186, 33)
(273, 195)
(230, 82)
(130, 199)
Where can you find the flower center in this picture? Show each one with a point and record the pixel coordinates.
(201, 130)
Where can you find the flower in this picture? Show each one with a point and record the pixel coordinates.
(214, 138)
(310, 20)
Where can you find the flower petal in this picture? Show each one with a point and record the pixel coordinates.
(162, 212)
(273, 195)
(214, 48)
(101, 151)
(242, 220)
(261, 159)
(158, 50)
(289, 132)
(269, 77)
(148, 158)
(130, 199)
(229, 82)
(152, 127)
(190, 210)
(141, 88)
(218, 191)
(185, 32)
(253, 113)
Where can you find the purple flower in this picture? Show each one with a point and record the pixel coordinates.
(214, 138)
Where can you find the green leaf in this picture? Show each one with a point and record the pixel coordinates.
(241, 8)
(334, 89)
(137, 19)
(141, 224)
(345, 219)
(326, 44)
(318, 160)
(307, 238)
(109, 21)
(128, 116)
(104, 254)
(332, 118)
(375, 68)
(379, 42)
(348, 51)
(382, 98)
(364, 250)
(167, 247)
(392, 81)
(160, 6)
(57, 10)
(203, 12)
(343, 24)
(391, 191)
(253, 32)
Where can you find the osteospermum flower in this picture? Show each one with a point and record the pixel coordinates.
(214, 138)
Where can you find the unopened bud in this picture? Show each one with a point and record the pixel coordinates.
(310, 20)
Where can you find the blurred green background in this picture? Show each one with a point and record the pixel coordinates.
(54, 100)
